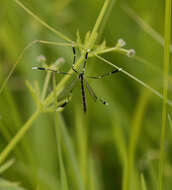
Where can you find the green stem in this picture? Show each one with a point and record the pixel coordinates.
(43, 23)
(107, 50)
(47, 79)
(18, 136)
(165, 90)
(97, 24)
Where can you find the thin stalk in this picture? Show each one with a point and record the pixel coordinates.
(63, 178)
(169, 102)
(23, 52)
(97, 24)
(18, 136)
(70, 153)
(165, 89)
(6, 166)
(42, 22)
(45, 87)
(134, 137)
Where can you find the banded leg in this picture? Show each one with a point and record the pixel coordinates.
(74, 60)
(105, 75)
(93, 95)
(83, 93)
(52, 70)
(64, 102)
(85, 61)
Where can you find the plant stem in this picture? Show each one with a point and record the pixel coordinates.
(47, 79)
(42, 22)
(18, 136)
(97, 24)
(165, 89)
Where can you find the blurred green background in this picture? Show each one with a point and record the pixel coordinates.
(100, 139)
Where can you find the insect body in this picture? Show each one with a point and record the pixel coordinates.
(81, 76)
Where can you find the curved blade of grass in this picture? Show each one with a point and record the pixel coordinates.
(22, 54)
(99, 20)
(70, 154)
(63, 179)
(169, 102)
(81, 141)
(134, 136)
(42, 22)
(7, 165)
(167, 31)
(170, 121)
(106, 17)
(143, 183)
(6, 185)
(18, 137)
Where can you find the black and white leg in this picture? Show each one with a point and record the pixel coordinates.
(64, 102)
(81, 77)
(74, 60)
(105, 75)
(52, 70)
(85, 60)
(93, 95)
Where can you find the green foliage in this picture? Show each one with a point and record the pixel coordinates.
(109, 147)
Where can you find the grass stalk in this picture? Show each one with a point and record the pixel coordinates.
(97, 24)
(169, 102)
(45, 87)
(43, 23)
(69, 151)
(63, 179)
(134, 136)
(81, 141)
(167, 31)
(18, 136)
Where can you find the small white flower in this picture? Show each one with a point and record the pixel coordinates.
(41, 58)
(131, 53)
(34, 68)
(121, 43)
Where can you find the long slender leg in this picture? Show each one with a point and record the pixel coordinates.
(83, 93)
(74, 60)
(85, 61)
(93, 95)
(105, 75)
(64, 102)
(48, 69)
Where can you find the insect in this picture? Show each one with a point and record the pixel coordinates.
(82, 78)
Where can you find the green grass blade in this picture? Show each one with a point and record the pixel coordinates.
(143, 183)
(167, 31)
(81, 141)
(6, 185)
(17, 137)
(68, 147)
(99, 20)
(6, 165)
(42, 22)
(170, 121)
(134, 136)
(169, 102)
(63, 179)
